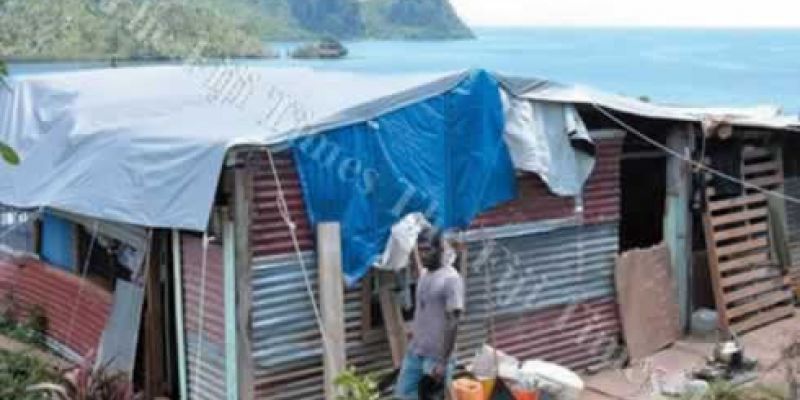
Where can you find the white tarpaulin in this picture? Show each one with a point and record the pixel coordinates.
(547, 91)
(145, 146)
(540, 138)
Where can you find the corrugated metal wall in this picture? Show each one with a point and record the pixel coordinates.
(204, 318)
(577, 261)
(533, 280)
(601, 198)
(269, 235)
(77, 310)
(534, 203)
(286, 339)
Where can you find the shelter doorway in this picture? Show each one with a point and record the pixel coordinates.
(643, 177)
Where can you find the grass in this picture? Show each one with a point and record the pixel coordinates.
(30, 329)
(19, 371)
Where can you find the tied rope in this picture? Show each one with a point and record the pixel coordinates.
(696, 164)
(283, 208)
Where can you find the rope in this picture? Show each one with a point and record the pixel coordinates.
(201, 311)
(697, 164)
(283, 208)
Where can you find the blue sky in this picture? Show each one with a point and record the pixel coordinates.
(680, 13)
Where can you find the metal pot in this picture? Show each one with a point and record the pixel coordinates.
(729, 352)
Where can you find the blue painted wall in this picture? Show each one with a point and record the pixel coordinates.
(58, 242)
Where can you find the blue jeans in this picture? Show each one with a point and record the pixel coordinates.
(411, 373)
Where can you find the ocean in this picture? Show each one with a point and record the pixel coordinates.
(703, 67)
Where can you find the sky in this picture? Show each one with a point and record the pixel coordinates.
(677, 13)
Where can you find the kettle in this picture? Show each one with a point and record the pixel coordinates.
(729, 352)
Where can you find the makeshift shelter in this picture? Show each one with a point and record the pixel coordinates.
(217, 183)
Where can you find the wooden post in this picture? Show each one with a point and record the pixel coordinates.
(243, 201)
(154, 334)
(177, 282)
(392, 318)
(678, 219)
(231, 315)
(331, 296)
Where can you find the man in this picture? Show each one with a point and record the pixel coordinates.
(439, 304)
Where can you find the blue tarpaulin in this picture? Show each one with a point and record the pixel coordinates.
(443, 156)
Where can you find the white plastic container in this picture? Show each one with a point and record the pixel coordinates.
(559, 381)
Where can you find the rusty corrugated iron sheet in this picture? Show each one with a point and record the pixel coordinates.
(76, 309)
(541, 278)
(205, 353)
(579, 336)
(286, 340)
(271, 236)
(534, 202)
(601, 198)
(578, 261)
(529, 273)
(269, 233)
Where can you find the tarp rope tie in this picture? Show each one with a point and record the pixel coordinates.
(283, 208)
(697, 164)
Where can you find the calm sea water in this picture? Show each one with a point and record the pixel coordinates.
(693, 67)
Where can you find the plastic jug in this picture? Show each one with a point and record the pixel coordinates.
(467, 389)
(525, 394)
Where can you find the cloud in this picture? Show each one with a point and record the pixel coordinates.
(681, 13)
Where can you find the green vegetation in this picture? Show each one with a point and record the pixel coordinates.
(19, 371)
(357, 387)
(413, 19)
(178, 29)
(125, 29)
(30, 327)
(6, 153)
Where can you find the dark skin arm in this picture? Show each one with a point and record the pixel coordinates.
(451, 331)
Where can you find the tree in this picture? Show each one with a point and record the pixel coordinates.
(6, 152)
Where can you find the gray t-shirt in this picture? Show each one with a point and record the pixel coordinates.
(438, 293)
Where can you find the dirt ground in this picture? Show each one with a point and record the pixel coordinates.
(764, 345)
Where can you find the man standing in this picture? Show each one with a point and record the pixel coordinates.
(439, 304)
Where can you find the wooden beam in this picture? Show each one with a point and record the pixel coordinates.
(678, 219)
(392, 318)
(154, 333)
(331, 299)
(231, 316)
(242, 220)
(715, 272)
(180, 339)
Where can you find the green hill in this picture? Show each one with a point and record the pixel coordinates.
(124, 29)
(413, 19)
